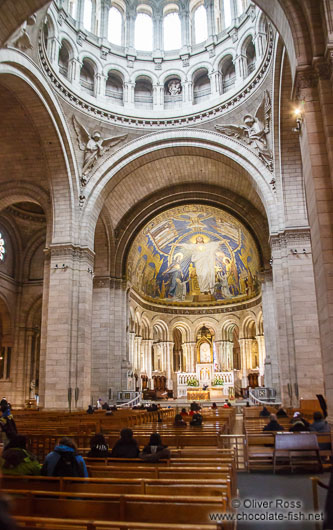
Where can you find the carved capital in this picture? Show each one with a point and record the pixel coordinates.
(323, 68)
(305, 79)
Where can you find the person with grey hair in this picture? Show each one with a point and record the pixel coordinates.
(273, 424)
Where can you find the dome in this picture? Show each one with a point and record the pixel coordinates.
(194, 255)
(156, 60)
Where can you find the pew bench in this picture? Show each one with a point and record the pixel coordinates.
(301, 448)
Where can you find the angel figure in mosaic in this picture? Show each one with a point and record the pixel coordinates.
(93, 145)
(255, 131)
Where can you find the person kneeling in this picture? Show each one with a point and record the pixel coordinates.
(196, 420)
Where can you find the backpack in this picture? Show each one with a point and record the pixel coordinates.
(67, 466)
(9, 427)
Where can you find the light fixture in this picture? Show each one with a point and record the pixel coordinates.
(299, 118)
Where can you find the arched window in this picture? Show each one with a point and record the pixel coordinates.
(2, 247)
(144, 32)
(63, 60)
(114, 88)
(87, 15)
(172, 31)
(115, 26)
(227, 13)
(200, 25)
(250, 57)
(201, 86)
(87, 76)
(228, 74)
(72, 8)
(143, 93)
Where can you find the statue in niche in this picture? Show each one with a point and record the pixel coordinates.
(255, 131)
(20, 39)
(174, 87)
(93, 145)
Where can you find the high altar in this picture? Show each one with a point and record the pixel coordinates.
(205, 383)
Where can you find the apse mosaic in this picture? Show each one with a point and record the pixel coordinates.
(194, 253)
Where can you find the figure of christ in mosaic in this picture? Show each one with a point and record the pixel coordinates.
(203, 257)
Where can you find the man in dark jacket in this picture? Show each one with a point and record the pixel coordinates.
(64, 461)
(126, 446)
(273, 424)
(319, 424)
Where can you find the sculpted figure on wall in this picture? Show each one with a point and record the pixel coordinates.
(93, 145)
(255, 131)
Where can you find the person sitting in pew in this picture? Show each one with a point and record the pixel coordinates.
(299, 424)
(184, 413)
(214, 406)
(16, 460)
(196, 420)
(273, 424)
(281, 413)
(64, 461)
(264, 413)
(179, 422)
(126, 446)
(155, 450)
(319, 424)
(90, 410)
(98, 447)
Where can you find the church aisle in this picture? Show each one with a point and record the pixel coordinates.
(259, 486)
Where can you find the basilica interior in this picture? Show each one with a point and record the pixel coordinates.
(166, 200)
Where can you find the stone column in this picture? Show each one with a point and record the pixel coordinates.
(261, 352)
(215, 83)
(219, 352)
(185, 28)
(260, 42)
(130, 29)
(243, 351)
(105, 7)
(169, 364)
(100, 85)
(296, 316)
(149, 361)
(209, 5)
(234, 11)
(80, 14)
(66, 354)
(54, 48)
(240, 68)
(129, 94)
(157, 33)
(230, 360)
(314, 88)
(131, 347)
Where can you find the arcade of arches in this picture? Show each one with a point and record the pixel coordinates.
(165, 215)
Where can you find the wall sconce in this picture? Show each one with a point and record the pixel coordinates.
(299, 120)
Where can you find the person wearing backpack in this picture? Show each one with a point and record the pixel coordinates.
(64, 461)
(16, 460)
(7, 423)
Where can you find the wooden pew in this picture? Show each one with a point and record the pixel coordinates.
(303, 446)
(135, 508)
(49, 523)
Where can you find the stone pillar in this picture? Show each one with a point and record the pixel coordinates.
(296, 316)
(215, 83)
(100, 85)
(243, 351)
(262, 355)
(209, 5)
(234, 11)
(315, 89)
(131, 347)
(229, 356)
(130, 29)
(169, 364)
(129, 94)
(66, 354)
(80, 14)
(219, 353)
(158, 99)
(149, 362)
(104, 30)
(54, 48)
(240, 68)
(193, 350)
(157, 33)
(260, 43)
(272, 362)
(188, 92)
(185, 28)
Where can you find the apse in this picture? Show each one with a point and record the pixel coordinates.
(194, 255)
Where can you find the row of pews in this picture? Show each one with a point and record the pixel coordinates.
(271, 450)
(183, 492)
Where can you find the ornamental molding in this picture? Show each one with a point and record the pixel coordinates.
(293, 236)
(159, 308)
(126, 121)
(68, 250)
(32, 218)
(307, 77)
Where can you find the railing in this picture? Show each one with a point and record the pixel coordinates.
(132, 402)
(264, 401)
(114, 94)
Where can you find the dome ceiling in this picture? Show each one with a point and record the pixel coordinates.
(194, 255)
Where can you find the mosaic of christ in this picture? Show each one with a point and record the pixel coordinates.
(194, 253)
